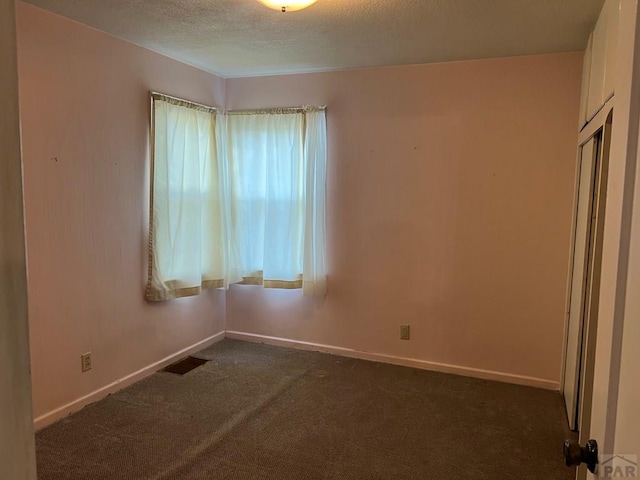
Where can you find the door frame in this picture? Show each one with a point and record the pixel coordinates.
(17, 444)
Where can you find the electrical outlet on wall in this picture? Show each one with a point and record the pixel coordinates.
(404, 332)
(86, 361)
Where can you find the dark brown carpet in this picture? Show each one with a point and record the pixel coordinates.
(261, 412)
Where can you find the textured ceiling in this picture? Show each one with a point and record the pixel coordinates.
(242, 38)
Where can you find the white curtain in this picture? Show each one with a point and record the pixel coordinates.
(236, 199)
(314, 271)
(277, 163)
(186, 251)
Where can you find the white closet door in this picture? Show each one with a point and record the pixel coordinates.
(578, 280)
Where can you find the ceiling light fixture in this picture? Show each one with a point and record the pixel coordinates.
(287, 5)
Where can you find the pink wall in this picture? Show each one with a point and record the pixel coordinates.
(449, 208)
(84, 101)
(450, 192)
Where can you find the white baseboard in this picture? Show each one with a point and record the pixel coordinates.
(403, 361)
(61, 412)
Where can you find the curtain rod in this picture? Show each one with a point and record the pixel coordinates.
(182, 101)
(278, 110)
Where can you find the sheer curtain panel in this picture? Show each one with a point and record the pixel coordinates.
(277, 162)
(315, 174)
(186, 238)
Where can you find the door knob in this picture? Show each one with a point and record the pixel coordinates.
(574, 454)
